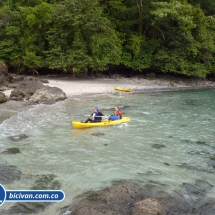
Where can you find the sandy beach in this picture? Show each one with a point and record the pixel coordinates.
(74, 87)
(80, 87)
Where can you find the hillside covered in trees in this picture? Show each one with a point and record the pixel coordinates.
(173, 36)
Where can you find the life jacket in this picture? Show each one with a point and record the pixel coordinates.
(97, 117)
(118, 113)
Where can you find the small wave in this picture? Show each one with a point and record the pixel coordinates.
(146, 113)
(13, 111)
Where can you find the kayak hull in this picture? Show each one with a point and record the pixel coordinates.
(103, 123)
(123, 89)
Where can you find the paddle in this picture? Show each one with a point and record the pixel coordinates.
(90, 115)
(79, 114)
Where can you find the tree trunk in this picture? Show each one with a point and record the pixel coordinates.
(140, 10)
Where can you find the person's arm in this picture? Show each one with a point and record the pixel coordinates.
(119, 113)
(93, 115)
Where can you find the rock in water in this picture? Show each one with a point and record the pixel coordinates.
(48, 94)
(13, 150)
(3, 98)
(18, 137)
(148, 206)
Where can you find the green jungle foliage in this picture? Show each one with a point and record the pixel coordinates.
(172, 36)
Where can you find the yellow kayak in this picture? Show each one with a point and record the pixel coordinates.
(105, 122)
(123, 89)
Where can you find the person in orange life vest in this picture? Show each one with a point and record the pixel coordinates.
(118, 112)
(117, 115)
(96, 115)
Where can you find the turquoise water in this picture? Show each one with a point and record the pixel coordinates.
(169, 142)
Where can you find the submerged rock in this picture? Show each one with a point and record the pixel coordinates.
(200, 142)
(186, 141)
(8, 174)
(158, 146)
(98, 134)
(207, 169)
(212, 157)
(13, 150)
(18, 137)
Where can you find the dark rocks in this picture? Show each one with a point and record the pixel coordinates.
(115, 200)
(26, 86)
(17, 95)
(128, 199)
(48, 94)
(5, 77)
(147, 207)
(3, 98)
(13, 150)
(25, 89)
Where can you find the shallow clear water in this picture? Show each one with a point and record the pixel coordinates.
(168, 142)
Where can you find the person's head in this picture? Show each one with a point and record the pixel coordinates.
(117, 108)
(95, 108)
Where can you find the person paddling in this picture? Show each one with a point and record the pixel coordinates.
(96, 115)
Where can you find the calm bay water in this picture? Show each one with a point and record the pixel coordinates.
(169, 142)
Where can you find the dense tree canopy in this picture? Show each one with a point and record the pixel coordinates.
(174, 36)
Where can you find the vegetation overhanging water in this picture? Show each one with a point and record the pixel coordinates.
(169, 142)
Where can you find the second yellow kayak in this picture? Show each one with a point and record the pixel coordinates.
(123, 89)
